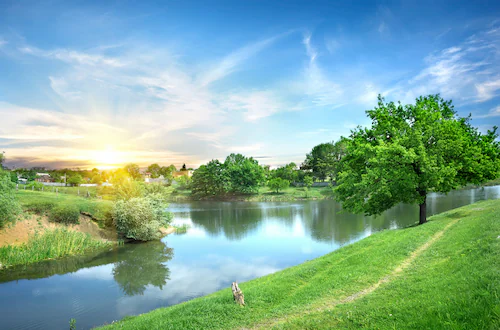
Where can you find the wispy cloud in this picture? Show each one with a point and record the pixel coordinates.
(72, 56)
(321, 90)
(495, 112)
(230, 63)
(465, 72)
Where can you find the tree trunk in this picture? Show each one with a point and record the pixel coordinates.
(237, 294)
(423, 209)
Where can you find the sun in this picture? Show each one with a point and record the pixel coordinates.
(107, 158)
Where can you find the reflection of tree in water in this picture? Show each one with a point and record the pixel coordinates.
(236, 220)
(143, 264)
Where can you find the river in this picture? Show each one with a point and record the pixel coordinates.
(227, 241)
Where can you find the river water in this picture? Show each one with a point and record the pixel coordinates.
(227, 241)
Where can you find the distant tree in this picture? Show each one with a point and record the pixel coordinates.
(75, 179)
(9, 205)
(134, 171)
(155, 170)
(211, 179)
(183, 168)
(308, 182)
(119, 176)
(13, 177)
(183, 181)
(288, 172)
(320, 161)
(410, 150)
(97, 179)
(278, 184)
(245, 173)
(2, 159)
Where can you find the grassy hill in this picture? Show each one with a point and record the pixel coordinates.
(441, 275)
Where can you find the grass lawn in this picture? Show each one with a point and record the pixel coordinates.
(441, 275)
(42, 201)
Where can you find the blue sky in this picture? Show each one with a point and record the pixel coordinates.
(104, 83)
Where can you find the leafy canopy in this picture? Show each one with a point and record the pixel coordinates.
(411, 150)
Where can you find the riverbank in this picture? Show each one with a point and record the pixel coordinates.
(441, 274)
(289, 194)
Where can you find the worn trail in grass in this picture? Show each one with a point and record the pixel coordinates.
(444, 272)
(331, 302)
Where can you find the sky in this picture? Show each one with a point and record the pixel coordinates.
(104, 83)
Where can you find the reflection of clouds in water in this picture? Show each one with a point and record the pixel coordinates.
(277, 230)
(50, 291)
(104, 273)
(190, 281)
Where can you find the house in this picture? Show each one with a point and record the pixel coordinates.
(21, 180)
(182, 173)
(43, 177)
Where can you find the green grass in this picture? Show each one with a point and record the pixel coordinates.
(49, 245)
(42, 202)
(453, 284)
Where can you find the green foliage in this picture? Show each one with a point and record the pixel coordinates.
(184, 182)
(288, 172)
(324, 159)
(308, 181)
(9, 206)
(453, 284)
(211, 179)
(140, 218)
(39, 207)
(66, 214)
(75, 180)
(48, 245)
(13, 177)
(128, 189)
(97, 179)
(155, 170)
(34, 185)
(411, 150)
(133, 171)
(245, 173)
(278, 184)
(72, 324)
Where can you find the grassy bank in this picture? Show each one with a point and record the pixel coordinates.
(42, 202)
(264, 195)
(50, 244)
(444, 274)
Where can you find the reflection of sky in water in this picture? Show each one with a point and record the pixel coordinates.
(226, 242)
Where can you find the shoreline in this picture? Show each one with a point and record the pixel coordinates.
(378, 266)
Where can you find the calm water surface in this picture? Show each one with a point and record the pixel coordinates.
(227, 242)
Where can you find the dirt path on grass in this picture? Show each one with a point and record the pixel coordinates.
(328, 304)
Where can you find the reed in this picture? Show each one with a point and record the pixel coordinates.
(50, 244)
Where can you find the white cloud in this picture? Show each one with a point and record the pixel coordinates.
(487, 90)
(229, 63)
(495, 112)
(60, 86)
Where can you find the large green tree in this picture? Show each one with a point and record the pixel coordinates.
(324, 159)
(211, 179)
(245, 173)
(133, 170)
(155, 170)
(411, 150)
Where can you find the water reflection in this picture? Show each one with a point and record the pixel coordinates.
(226, 242)
(143, 265)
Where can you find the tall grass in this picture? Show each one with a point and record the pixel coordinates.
(49, 245)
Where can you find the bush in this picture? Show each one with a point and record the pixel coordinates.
(9, 206)
(39, 207)
(37, 185)
(140, 218)
(278, 184)
(67, 214)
